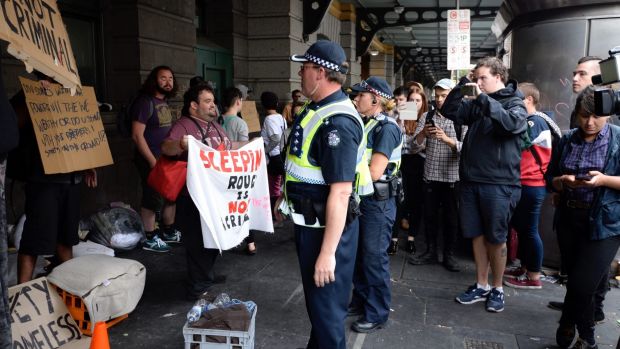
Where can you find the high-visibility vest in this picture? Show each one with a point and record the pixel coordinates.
(299, 168)
(395, 157)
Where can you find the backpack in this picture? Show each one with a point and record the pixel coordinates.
(124, 119)
(556, 134)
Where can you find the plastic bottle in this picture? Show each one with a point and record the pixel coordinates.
(196, 312)
(221, 300)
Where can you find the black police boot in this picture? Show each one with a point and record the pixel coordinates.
(449, 262)
(393, 248)
(429, 257)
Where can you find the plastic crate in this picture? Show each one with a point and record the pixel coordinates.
(80, 314)
(196, 338)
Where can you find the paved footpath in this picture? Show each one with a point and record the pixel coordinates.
(424, 315)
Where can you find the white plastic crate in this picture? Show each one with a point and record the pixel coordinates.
(196, 338)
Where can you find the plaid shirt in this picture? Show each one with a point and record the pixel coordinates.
(582, 157)
(442, 163)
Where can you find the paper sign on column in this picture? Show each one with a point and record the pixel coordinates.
(68, 129)
(459, 24)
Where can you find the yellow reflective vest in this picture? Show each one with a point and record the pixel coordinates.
(299, 168)
(395, 157)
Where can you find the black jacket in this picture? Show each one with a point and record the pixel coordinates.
(8, 131)
(491, 150)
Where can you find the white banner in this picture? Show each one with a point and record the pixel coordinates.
(230, 190)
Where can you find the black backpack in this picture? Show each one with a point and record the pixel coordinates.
(124, 119)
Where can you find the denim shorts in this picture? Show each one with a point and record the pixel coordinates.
(486, 209)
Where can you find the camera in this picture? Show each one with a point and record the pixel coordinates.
(468, 90)
(607, 100)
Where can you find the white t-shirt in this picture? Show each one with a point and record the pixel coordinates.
(274, 125)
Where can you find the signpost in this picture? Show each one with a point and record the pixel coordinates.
(459, 24)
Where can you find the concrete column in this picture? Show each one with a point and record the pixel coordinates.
(347, 40)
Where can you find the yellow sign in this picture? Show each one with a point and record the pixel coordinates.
(68, 128)
(39, 318)
(37, 36)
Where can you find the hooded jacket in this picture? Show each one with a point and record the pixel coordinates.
(491, 150)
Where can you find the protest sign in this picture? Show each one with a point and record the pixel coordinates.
(250, 115)
(230, 191)
(68, 128)
(39, 318)
(37, 36)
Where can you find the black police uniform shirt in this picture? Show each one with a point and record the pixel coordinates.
(384, 138)
(334, 149)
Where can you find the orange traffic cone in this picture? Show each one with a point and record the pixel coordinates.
(100, 337)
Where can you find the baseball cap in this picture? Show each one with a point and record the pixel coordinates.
(377, 86)
(444, 84)
(325, 53)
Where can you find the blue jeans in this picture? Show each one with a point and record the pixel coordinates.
(525, 221)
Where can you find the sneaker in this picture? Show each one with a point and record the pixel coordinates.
(523, 282)
(156, 245)
(171, 236)
(495, 301)
(473, 295)
(393, 248)
(512, 273)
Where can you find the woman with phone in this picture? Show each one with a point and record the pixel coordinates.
(585, 171)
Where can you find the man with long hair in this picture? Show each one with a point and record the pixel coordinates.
(152, 120)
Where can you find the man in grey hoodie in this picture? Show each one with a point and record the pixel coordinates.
(494, 112)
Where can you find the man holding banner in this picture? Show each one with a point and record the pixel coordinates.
(201, 123)
(324, 163)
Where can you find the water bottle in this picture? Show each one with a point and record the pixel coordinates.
(196, 312)
(221, 300)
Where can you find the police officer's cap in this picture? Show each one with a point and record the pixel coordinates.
(325, 53)
(377, 86)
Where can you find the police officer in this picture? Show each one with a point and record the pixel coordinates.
(325, 170)
(371, 280)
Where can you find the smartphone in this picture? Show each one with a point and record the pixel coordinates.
(430, 122)
(468, 90)
(583, 177)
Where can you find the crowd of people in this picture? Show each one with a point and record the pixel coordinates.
(478, 160)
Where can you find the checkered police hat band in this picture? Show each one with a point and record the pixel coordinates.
(324, 63)
(374, 91)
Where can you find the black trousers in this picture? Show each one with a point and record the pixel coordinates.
(437, 196)
(412, 169)
(200, 260)
(588, 268)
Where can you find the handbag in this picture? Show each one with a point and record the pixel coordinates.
(168, 176)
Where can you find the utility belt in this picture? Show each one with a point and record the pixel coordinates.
(311, 213)
(388, 188)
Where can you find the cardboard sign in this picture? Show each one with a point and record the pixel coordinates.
(408, 111)
(230, 190)
(37, 36)
(40, 319)
(68, 128)
(250, 115)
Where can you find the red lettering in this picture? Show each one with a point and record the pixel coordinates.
(245, 160)
(243, 206)
(224, 160)
(257, 159)
(211, 154)
(234, 157)
(232, 207)
(205, 160)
